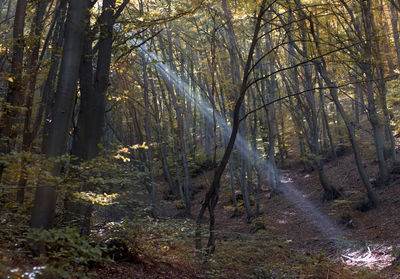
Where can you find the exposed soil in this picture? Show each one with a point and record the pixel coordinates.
(149, 269)
(370, 237)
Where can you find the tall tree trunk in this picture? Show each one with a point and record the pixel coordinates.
(92, 112)
(273, 174)
(160, 140)
(230, 166)
(235, 75)
(367, 68)
(330, 192)
(394, 19)
(16, 91)
(36, 31)
(373, 199)
(181, 128)
(50, 83)
(1, 8)
(148, 134)
(54, 143)
(326, 125)
(211, 198)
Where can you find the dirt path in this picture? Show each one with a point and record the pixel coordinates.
(368, 237)
(310, 225)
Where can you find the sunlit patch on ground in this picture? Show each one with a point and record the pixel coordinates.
(286, 179)
(37, 270)
(290, 213)
(374, 257)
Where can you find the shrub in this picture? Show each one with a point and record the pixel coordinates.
(67, 254)
(257, 224)
(180, 204)
(121, 240)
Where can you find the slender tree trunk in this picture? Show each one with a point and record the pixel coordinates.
(271, 121)
(36, 31)
(148, 134)
(159, 137)
(1, 9)
(367, 68)
(357, 104)
(211, 198)
(235, 75)
(181, 129)
(16, 92)
(373, 199)
(49, 85)
(281, 136)
(394, 19)
(327, 128)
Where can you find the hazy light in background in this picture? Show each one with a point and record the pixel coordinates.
(312, 213)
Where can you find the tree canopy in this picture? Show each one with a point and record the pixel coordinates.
(131, 128)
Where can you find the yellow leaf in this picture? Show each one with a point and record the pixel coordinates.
(124, 150)
(10, 79)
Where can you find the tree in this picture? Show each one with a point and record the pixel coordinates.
(211, 198)
(55, 139)
(16, 92)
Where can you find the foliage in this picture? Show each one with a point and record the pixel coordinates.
(144, 237)
(166, 55)
(180, 204)
(13, 227)
(65, 253)
(257, 224)
(266, 255)
(121, 240)
(229, 208)
(101, 199)
(345, 210)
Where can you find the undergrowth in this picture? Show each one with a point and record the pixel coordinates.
(266, 255)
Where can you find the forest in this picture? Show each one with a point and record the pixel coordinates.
(199, 139)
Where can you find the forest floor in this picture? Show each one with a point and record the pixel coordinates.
(283, 242)
(288, 244)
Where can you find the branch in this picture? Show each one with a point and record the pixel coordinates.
(120, 9)
(312, 89)
(174, 17)
(137, 46)
(298, 64)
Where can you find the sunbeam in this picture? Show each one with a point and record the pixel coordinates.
(320, 221)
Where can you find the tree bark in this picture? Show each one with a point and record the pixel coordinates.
(27, 138)
(373, 199)
(54, 143)
(394, 19)
(15, 96)
(211, 197)
(367, 68)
